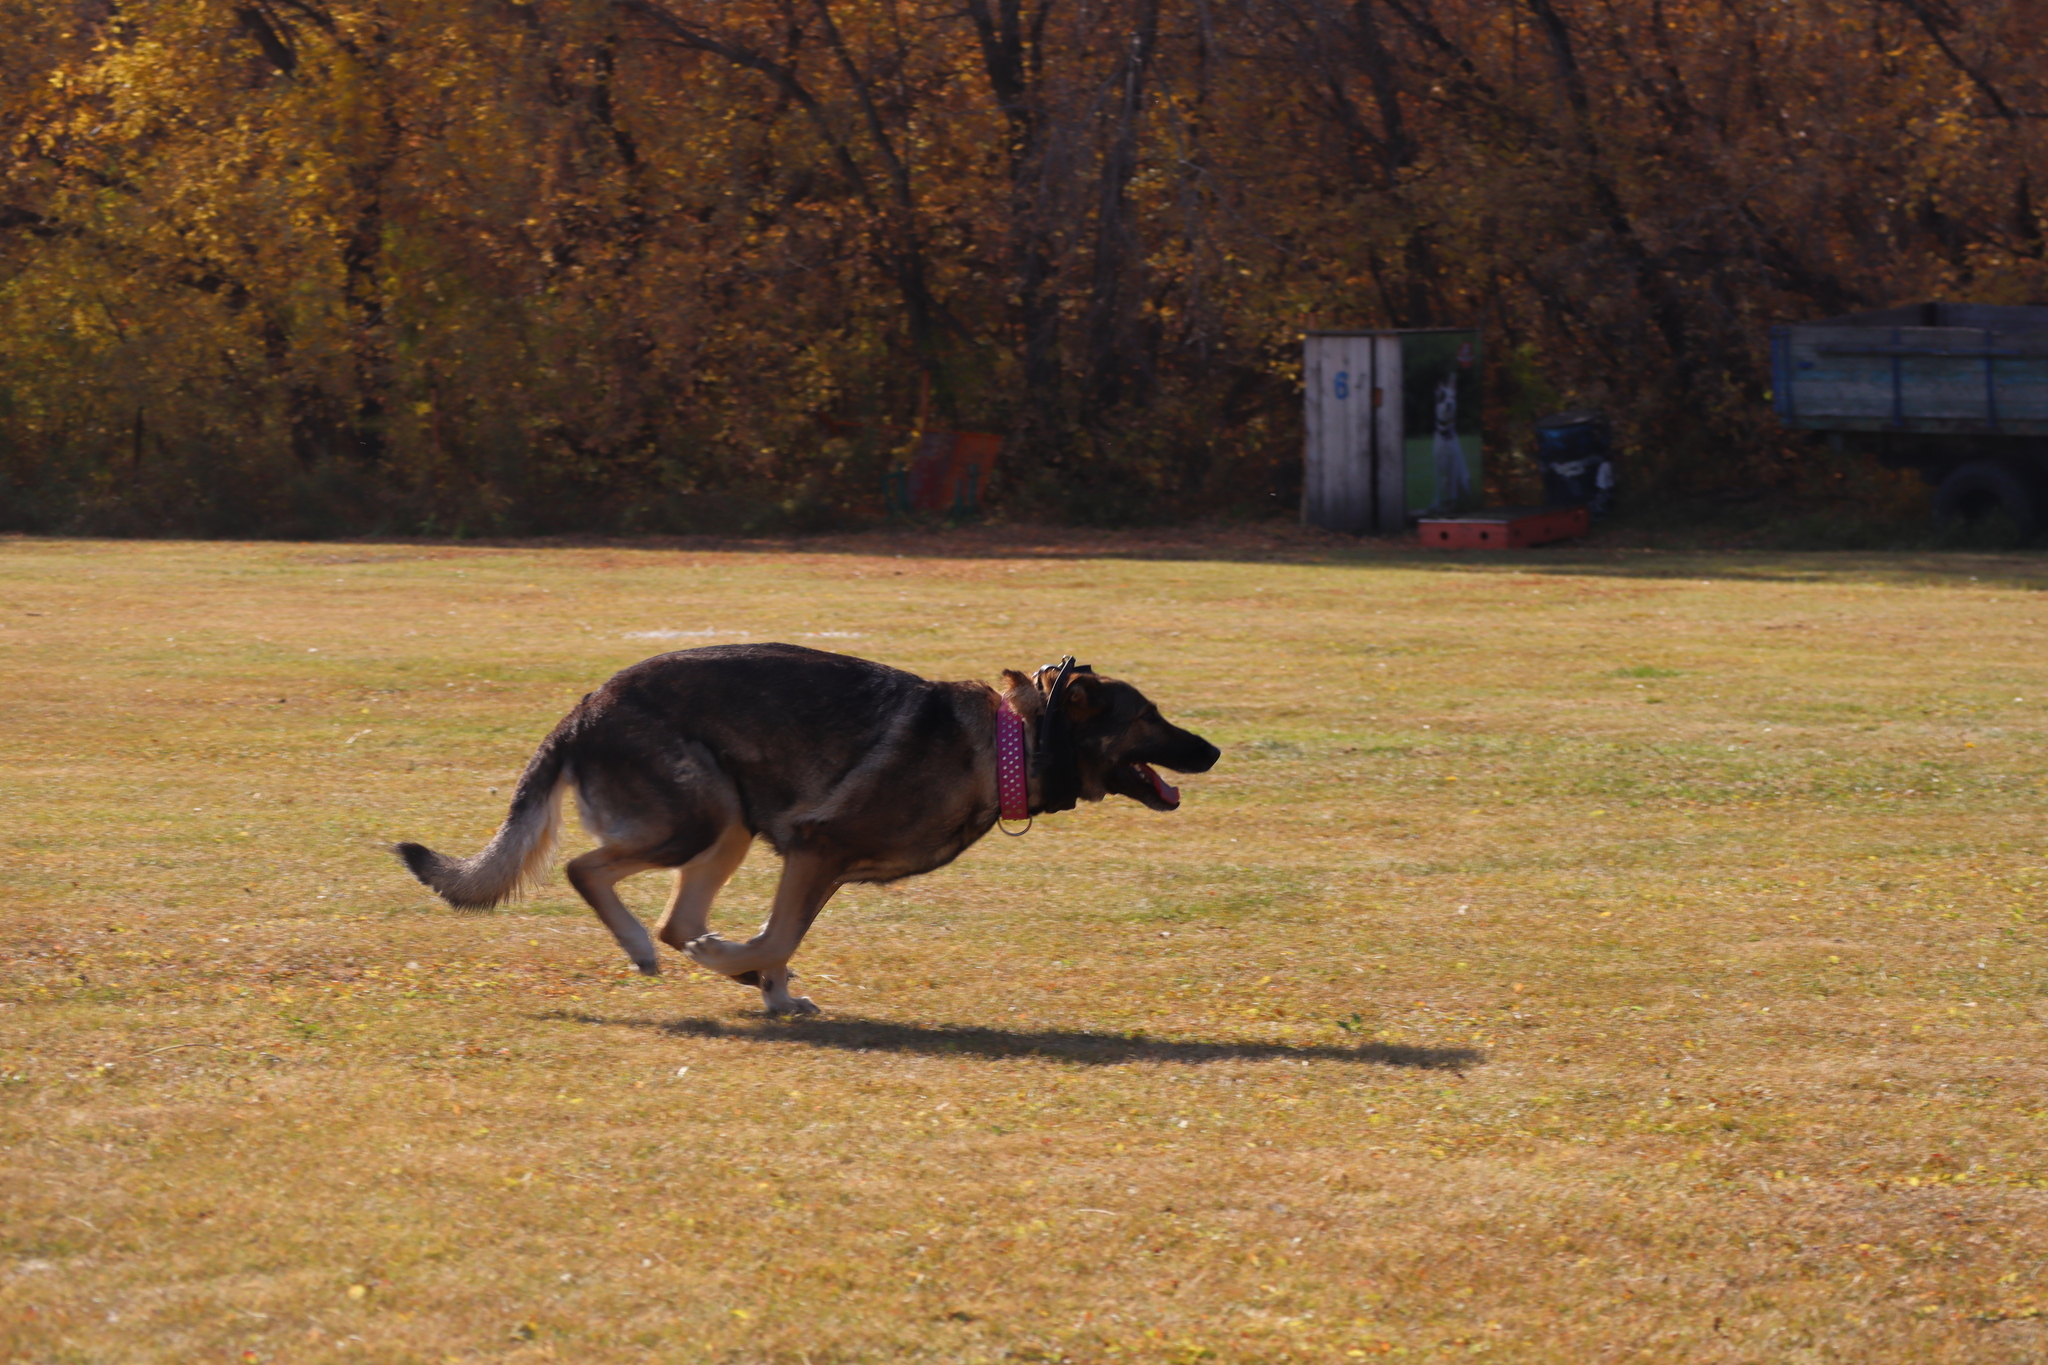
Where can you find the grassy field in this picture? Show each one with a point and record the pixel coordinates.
(1576, 956)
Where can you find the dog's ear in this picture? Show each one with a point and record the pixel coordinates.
(1084, 698)
(1026, 700)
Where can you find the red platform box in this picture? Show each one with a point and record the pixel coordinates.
(1504, 528)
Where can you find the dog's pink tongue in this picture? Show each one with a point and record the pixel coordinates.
(1166, 793)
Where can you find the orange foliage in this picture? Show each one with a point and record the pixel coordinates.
(311, 266)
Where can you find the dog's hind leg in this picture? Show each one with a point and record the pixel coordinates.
(594, 875)
(667, 807)
(808, 881)
(698, 882)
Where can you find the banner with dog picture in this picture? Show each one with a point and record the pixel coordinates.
(1440, 422)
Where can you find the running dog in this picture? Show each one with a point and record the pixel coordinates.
(851, 770)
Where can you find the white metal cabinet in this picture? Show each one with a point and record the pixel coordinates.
(1375, 437)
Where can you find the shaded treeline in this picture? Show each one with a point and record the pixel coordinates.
(314, 266)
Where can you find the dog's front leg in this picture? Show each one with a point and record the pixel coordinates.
(808, 881)
(775, 996)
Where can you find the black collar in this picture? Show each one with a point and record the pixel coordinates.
(1055, 758)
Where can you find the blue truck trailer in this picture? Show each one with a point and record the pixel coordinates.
(1958, 391)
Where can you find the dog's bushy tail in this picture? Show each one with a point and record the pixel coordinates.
(517, 855)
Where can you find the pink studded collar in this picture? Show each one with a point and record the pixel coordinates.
(1011, 790)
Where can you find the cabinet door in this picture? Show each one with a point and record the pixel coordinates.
(1390, 451)
(1337, 385)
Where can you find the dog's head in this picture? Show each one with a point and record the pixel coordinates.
(1112, 740)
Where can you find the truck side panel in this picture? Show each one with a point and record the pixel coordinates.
(1915, 379)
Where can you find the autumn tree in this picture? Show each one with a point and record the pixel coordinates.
(316, 266)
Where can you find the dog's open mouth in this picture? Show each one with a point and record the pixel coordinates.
(1151, 788)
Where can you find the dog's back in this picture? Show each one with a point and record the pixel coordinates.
(807, 741)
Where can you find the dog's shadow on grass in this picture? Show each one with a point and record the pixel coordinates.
(855, 1034)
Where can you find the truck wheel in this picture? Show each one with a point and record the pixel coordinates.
(1988, 497)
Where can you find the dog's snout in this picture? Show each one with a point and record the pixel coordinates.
(1192, 754)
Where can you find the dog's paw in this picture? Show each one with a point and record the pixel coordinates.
(714, 952)
(795, 1005)
(648, 968)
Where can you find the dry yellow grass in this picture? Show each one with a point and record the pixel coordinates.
(1574, 957)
